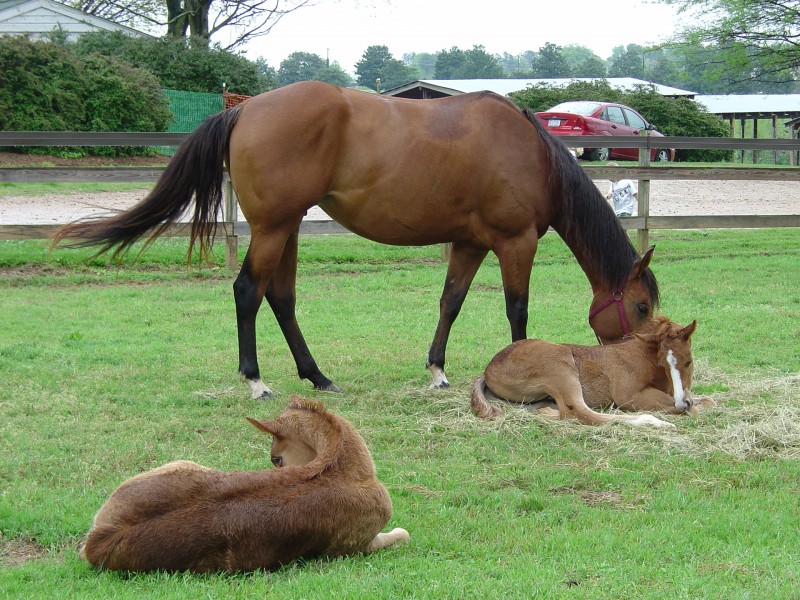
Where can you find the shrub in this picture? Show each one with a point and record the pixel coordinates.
(47, 87)
(670, 116)
(189, 65)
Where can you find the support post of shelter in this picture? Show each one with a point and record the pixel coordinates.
(643, 200)
(230, 214)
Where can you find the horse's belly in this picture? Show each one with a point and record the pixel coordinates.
(391, 223)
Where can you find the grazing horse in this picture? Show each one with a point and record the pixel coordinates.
(472, 170)
(323, 500)
(651, 371)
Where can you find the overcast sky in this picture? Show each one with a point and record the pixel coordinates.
(343, 29)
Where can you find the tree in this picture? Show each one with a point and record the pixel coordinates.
(378, 63)
(764, 33)
(305, 66)
(423, 62)
(202, 19)
(475, 63)
(550, 63)
(627, 61)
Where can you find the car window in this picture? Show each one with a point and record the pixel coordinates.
(614, 114)
(635, 120)
(576, 108)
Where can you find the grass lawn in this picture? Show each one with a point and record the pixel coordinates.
(111, 370)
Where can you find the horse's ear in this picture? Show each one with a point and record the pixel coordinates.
(642, 263)
(268, 426)
(649, 338)
(687, 331)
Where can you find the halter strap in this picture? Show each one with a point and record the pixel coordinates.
(616, 297)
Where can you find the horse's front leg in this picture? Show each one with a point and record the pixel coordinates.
(281, 297)
(464, 263)
(516, 262)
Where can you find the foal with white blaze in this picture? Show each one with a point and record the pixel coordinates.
(651, 371)
(323, 500)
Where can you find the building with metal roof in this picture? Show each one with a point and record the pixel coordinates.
(439, 88)
(38, 18)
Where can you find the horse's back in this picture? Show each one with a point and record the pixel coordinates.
(393, 170)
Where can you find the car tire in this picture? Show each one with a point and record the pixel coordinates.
(662, 155)
(601, 154)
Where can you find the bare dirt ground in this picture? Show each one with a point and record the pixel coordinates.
(666, 197)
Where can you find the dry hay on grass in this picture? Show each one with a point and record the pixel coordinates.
(754, 418)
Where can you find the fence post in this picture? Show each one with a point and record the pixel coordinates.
(643, 197)
(230, 214)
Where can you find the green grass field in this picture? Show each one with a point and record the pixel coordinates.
(109, 370)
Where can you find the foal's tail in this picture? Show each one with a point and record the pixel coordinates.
(479, 404)
(195, 171)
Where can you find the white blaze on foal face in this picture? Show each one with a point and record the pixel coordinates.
(677, 385)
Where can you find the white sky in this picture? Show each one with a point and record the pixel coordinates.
(343, 29)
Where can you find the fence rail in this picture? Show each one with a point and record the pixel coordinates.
(231, 228)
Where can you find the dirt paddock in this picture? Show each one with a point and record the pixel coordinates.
(667, 198)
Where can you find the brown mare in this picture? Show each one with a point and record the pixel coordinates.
(651, 371)
(472, 170)
(324, 501)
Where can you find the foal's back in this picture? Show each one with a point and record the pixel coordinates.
(182, 516)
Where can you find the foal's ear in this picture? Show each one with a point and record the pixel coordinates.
(268, 426)
(687, 331)
(642, 263)
(649, 338)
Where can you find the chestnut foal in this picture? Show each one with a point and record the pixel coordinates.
(323, 500)
(651, 371)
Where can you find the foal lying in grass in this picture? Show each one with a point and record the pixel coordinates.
(651, 371)
(323, 500)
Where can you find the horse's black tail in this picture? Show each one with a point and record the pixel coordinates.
(195, 171)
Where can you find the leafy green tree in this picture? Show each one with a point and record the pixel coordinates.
(550, 63)
(627, 62)
(764, 34)
(378, 63)
(450, 64)
(180, 64)
(593, 66)
(423, 62)
(306, 66)
(475, 63)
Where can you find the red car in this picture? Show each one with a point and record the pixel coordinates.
(586, 117)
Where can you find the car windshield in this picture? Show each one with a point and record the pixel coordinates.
(576, 108)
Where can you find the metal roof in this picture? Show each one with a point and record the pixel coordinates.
(752, 105)
(452, 87)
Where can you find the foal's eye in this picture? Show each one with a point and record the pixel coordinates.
(688, 364)
(643, 309)
(277, 461)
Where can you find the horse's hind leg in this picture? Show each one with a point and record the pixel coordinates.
(464, 263)
(248, 293)
(282, 299)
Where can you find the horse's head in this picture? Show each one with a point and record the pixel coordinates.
(674, 355)
(297, 433)
(617, 313)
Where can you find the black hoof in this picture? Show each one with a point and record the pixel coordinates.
(329, 387)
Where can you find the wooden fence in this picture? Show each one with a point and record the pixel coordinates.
(231, 227)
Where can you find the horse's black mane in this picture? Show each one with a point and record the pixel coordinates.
(586, 222)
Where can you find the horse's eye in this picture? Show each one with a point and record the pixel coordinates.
(688, 364)
(277, 461)
(643, 309)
